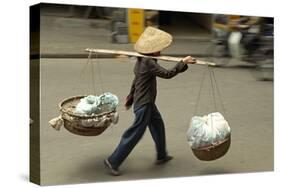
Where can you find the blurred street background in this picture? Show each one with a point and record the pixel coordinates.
(241, 46)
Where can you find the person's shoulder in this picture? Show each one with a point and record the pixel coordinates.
(149, 60)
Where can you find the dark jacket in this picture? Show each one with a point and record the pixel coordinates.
(144, 86)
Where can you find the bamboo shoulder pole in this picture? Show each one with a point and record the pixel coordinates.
(120, 53)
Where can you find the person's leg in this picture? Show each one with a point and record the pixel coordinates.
(157, 131)
(131, 136)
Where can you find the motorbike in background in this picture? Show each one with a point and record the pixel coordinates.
(251, 43)
(259, 50)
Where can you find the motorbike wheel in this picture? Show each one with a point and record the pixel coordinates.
(265, 70)
(219, 55)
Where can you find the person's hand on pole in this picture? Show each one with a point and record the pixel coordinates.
(189, 60)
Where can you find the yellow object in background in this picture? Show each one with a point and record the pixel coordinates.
(233, 20)
(135, 23)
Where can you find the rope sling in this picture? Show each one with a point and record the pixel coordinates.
(217, 150)
(85, 125)
(214, 88)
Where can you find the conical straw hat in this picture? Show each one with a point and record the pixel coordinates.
(153, 40)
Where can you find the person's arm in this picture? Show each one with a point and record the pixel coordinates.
(181, 66)
(184, 68)
(132, 90)
(161, 72)
(130, 98)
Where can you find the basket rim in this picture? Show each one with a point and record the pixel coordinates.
(77, 115)
(213, 145)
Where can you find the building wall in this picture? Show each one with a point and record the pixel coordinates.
(204, 20)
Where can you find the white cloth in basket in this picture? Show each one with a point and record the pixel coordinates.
(207, 130)
(96, 104)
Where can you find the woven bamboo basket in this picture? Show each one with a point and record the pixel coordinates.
(85, 125)
(213, 152)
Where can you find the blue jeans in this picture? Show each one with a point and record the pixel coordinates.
(146, 115)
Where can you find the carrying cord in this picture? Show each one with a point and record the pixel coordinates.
(213, 94)
(99, 72)
(92, 75)
(214, 89)
(91, 63)
(81, 73)
(199, 94)
(219, 93)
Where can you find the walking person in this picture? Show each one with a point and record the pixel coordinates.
(142, 96)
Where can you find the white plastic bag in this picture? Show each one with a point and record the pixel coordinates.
(108, 101)
(91, 104)
(91, 99)
(207, 130)
(84, 108)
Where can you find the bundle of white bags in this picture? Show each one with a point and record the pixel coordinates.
(207, 130)
(91, 104)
